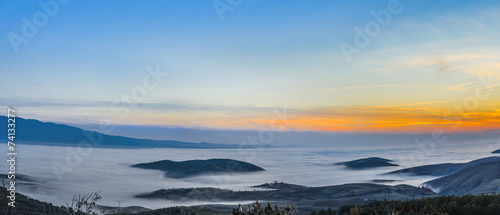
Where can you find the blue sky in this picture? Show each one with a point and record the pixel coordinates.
(264, 54)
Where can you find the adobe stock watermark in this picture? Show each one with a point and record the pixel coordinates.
(31, 26)
(223, 6)
(372, 29)
(248, 148)
(74, 157)
(455, 116)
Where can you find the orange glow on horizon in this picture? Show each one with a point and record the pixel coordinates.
(344, 119)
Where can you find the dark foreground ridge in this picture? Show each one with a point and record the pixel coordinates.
(190, 168)
(29, 206)
(367, 163)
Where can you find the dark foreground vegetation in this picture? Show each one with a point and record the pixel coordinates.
(85, 204)
(452, 205)
(28, 206)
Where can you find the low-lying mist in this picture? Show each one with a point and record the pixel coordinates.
(108, 170)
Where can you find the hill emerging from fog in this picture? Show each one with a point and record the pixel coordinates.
(31, 131)
(367, 163)
(184, 169)
(328, 196)
(482, 178)
(443, 168)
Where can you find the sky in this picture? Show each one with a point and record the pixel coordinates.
(324, 65)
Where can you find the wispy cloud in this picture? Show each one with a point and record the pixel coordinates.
(463, 87)
(375, 86)
(420, 103)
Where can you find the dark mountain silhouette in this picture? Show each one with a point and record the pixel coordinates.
(367, 163)
(496, 151)
(444, 168)
(32, 131)
(183, 169)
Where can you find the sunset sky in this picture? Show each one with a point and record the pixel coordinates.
(435, 64)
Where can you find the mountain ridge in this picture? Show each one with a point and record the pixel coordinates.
(442, 169)
(337, 195)
(483, 178)
(35, 132)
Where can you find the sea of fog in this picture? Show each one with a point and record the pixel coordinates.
(108, 171)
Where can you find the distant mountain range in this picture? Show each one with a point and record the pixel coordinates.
(190, 168)
(32, 131)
